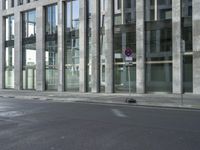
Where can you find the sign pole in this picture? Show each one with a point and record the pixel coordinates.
(129, 78)
(128, 53)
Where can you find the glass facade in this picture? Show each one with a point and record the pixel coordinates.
(187, 73)
(187, 25)
(158, 42)
(158, 45)
(51, 52)
(72, 45)
(187, 45)
(29, 49)
(9, 67)
(124, 38)
(9, 52)
(10, 28)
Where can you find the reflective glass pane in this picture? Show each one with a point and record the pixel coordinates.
(159, 77)
(51, 78)
(51, 65)
(188, 74)
(10, 28)
(51, 19)
(9, 67)
(187, 25)
(156, 10)
(72, 46)
(29, 24)
(122, 78)
(29, 66)
(51, 52)
(124, 38)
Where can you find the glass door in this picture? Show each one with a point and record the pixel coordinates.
(29, 74)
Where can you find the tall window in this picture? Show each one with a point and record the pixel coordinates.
(72, 45)
(187, 45)
(5, 4)
(51, 52)
(29, 49)
(20, 2)
(124, 38)
(9, 52)
(158, 45)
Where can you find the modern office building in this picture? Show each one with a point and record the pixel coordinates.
(78, 45)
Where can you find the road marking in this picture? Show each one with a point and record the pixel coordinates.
(11, 114)
(118, 113)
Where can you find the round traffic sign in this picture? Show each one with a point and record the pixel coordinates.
(128, 52)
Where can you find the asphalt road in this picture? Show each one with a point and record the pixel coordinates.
(46, 125)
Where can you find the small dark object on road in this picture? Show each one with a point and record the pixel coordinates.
(130, 100)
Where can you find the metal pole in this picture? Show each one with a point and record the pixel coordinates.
(182, 72)
(129, 78)
(182, 99)
(182, 92)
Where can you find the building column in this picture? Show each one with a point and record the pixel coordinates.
(95, 46)
(83, 45)
(61, 32)
(15, 3)
(40, 49)
(2, 52)
(176, 46)
(109, 55)
(196, 47)
(18, 52)
(140, 47)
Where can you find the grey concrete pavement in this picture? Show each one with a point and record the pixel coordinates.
(161, 100)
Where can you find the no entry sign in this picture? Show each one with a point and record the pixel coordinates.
(128, 53)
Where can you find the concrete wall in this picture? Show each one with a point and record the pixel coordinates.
(196, 46)
(177, 55)
(95, 47)
(109, 56)
(2, 51)
(40, 53)
(140, 47)
(83, 45)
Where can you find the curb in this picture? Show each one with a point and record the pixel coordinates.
(87, 100)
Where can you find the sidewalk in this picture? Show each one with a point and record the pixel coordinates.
(160, 100)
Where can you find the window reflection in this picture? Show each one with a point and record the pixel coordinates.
(29, 49)
(51, 52)
(124, 37)
(9, 67)
(9, 52)
(158, 45)
(187, 25)
(29, 24)
(187, 45)
(9, 28)
(72, 46)
(51, 20)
